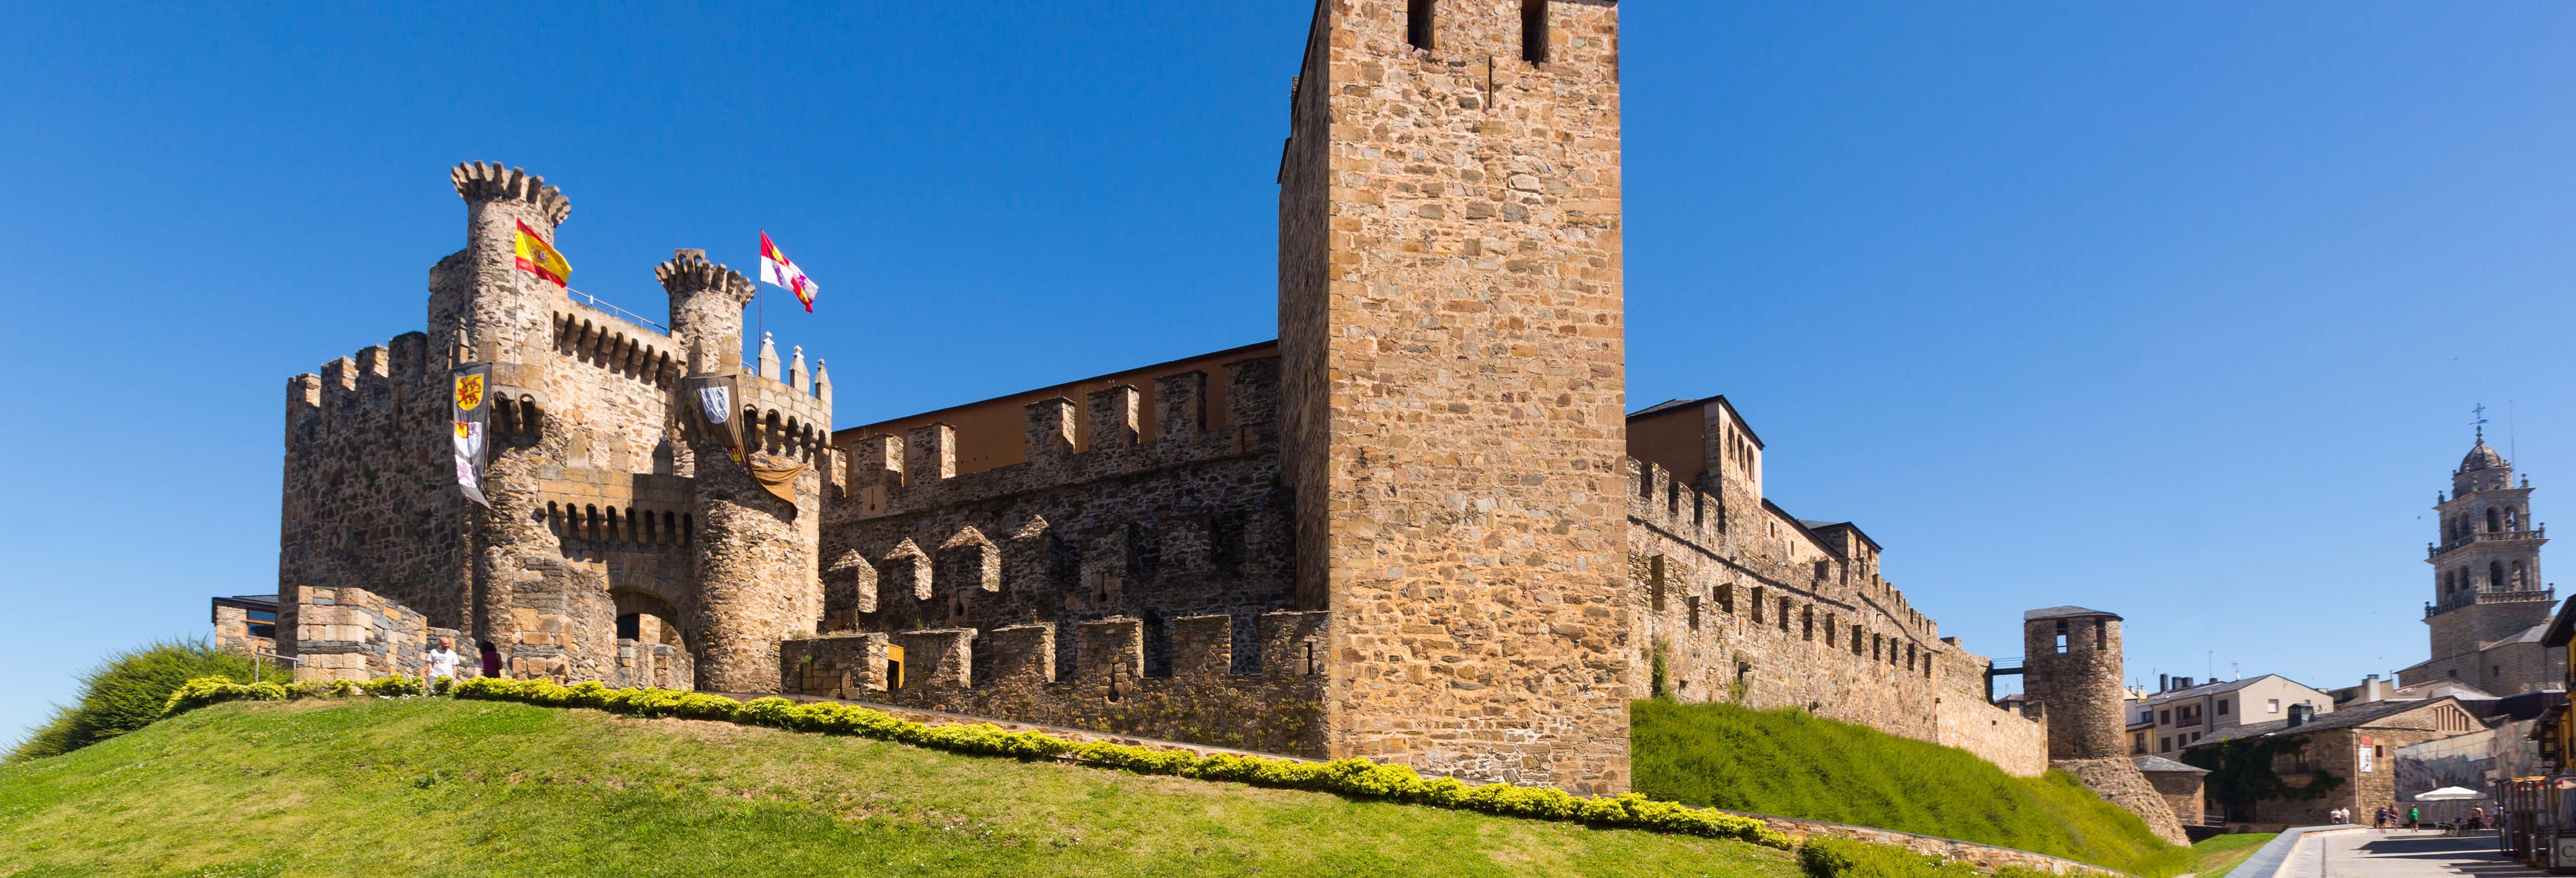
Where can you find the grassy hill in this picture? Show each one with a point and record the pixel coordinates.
(1793, 764)
(441, 787)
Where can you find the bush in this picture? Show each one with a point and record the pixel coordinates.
(128, 692)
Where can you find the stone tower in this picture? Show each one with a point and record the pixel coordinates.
(1454, 383)
(756, 564)
(2486, 574)
(2071, 666)
(483, 308)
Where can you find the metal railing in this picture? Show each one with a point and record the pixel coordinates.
(2466, 598)
(257, 667)
(2503, 536)
(602, 304)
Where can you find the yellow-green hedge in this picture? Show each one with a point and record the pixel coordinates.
(1350, 777)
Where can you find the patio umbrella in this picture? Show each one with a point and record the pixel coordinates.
(2449, 794)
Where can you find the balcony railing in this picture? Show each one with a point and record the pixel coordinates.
(2505, 536)
(2488, 597)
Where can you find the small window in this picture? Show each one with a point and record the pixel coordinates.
(2168, 717)
(1534, 31)
(2222, 707)
(262, 623)
(630, 627)
(2271, 705)
(2164, 745)
(1418, 24)
(1693, 601)
(2061, 643)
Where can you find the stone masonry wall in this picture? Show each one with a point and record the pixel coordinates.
(351, 633)
(1272, 703)
(1458, 385)
(1752, 608)
(2119, 782)
(1188, 527)
(2183, 793)
(369, 495)
(232, 633)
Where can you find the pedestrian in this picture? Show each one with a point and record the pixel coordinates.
(2379, 819)
(2478, 817)
(2414, 817)
(440, 662)
(491, 659)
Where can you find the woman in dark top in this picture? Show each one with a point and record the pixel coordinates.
(491, 660)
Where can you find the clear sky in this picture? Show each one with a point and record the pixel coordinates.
(2176, 310)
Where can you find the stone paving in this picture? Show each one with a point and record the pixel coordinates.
(2402, 854)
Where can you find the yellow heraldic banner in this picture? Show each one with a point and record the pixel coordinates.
(540, 258)
(473, 425)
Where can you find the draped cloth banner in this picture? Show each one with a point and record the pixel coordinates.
(473, 426)
(779, 481)
(718, 398)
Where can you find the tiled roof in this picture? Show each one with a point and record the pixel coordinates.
(2068, 610)
(2341, 719)
(2159, 763)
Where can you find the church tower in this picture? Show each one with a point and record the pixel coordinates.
(2487, 590)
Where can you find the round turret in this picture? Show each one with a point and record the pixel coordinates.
(2071, 668)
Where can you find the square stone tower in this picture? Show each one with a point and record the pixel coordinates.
(1454, 383)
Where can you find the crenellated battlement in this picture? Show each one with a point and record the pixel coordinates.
(1012, 671)
(688, 273)
(918, 472)
(600, 339)
(489, 181)
(370, 383)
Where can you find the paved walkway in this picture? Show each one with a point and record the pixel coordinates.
(2402, 854)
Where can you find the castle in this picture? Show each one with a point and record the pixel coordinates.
(2489, 608)
(1419, 527)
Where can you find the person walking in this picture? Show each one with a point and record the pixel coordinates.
(440, 662)
(2379, 819)
(491, 659)
(2414, 817)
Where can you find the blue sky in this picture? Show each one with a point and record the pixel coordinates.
(2177, 311)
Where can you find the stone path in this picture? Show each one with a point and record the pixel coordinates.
(2403, 854)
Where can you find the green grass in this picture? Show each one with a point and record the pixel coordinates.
(439, 787)
(2219, 853)
(1793, 764)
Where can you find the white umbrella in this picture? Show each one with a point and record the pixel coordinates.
(2449, 794)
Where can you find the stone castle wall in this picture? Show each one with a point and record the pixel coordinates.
(1751, 607)
(1451, 319)
(369, 494)
(2119, 782)
(353, 634)
(1188, 527)
(1267, 700)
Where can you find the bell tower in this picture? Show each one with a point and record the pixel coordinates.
(2486, 574)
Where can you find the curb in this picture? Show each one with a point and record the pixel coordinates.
(2275, 855)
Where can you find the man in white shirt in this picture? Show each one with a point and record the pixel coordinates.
(441, 662)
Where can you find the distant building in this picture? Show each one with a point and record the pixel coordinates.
(2180, 713)
(246, 623)
(2181, 785)
(2355, 746)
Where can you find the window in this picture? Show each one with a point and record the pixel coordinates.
(1534, 31)
(2138, 744)
(630, 627)
(2495, 523)
(263, 623)
(2164, 745)
(2168, 717)
(2272, 705)
(2222, 707)
(1417, 23)
(1784, 615)
(1693, 601)
(1655, 582)
(1758, 600)
(2061, 635)
(2495, 576)
(2146, 716)
(1807, 621)
(2102, 634)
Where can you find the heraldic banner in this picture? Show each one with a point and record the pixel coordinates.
(718, 399)
(473, 417)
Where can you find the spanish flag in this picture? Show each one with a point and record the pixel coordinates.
(539, 258)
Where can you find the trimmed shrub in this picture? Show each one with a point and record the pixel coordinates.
(127, 692)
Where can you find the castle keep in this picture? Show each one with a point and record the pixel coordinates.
(1420, 527)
